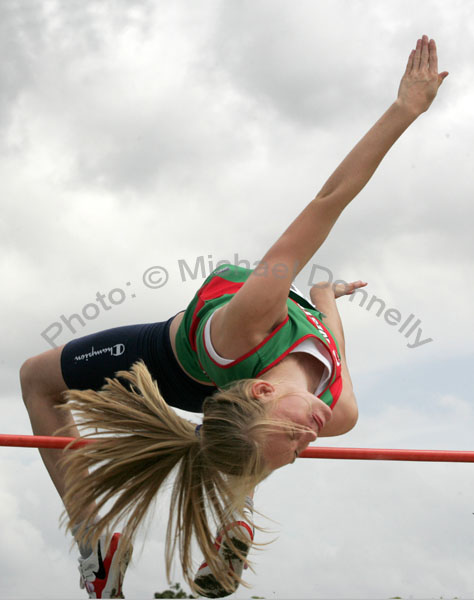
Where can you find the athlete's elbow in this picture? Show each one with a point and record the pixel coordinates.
(353, 415)
(350, 412)
(332, 203)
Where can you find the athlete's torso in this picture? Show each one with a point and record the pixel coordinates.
(175, 323)
(312, 367)
(301, 338)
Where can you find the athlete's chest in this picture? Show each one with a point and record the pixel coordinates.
(310, 366)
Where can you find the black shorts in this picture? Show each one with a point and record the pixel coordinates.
(86, 362)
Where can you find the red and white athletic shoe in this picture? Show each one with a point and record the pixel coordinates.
(102, 576)
(211, 588)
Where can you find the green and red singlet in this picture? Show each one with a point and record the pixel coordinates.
(303, 322)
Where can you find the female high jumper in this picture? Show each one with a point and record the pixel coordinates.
(265, 366)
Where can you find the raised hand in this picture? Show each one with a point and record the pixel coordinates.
(421, 81)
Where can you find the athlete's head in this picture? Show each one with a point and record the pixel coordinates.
(255, 426)
(302, 416)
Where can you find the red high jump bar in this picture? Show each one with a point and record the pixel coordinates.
(42, 441)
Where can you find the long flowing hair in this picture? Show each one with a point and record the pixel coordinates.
(141, 442)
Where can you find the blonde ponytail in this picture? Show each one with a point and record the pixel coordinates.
(141, 441)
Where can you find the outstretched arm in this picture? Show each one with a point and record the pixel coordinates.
(417, 91)
(261, 303)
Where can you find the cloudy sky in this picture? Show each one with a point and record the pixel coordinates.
(139, 134)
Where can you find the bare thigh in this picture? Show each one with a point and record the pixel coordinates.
(41, 374)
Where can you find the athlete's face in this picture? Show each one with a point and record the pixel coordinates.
(304, 410)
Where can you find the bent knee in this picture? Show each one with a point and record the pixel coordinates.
(27, 371)
(42, 375)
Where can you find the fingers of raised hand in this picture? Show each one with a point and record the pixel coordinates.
(417, 56)
(433, 57)
(411, 60)
(424, 57)
(425, 53)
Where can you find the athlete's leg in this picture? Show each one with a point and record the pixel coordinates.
(85, 363)
(241, 532)
(42, 386)
(102, 568)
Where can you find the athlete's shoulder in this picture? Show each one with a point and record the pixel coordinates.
(229, 270)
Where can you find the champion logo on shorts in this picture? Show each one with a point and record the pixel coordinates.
(116, 350)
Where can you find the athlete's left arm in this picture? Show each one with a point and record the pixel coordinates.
(345, 412)
(260, 305)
